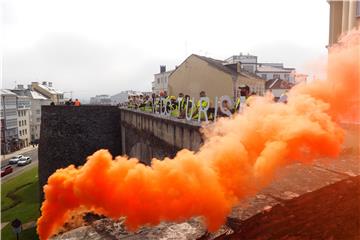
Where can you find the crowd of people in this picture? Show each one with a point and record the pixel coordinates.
(70, 102)
(182, 106)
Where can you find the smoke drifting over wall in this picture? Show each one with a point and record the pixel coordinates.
(240, 156)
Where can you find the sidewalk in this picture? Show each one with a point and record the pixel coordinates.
(19, 152)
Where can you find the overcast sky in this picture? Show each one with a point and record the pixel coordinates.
(104, 47)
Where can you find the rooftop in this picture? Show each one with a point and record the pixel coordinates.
(5, 92)
(50, 89)
(278, 84)
(267, 68)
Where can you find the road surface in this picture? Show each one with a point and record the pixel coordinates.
(33, 154)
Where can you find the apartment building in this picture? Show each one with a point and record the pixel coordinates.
(36, 101)
(9, 122)
(161, 80)
(46, 89)
(23, 110)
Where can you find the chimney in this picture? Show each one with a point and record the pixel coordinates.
(238, 67)
(20, 87)
(33, 85)
(50, 84)
(44, 83)
(29, 86)
(162, 68)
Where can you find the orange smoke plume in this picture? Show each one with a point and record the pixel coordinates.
(239, 156)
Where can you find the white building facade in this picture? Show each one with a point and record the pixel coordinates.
(9, 122)
(23, 110)
(123, 97)
(266, 71)
(100, 100)
(36, 101)
(248, 62)
(269, 71)
(161, 81)
(47, 90)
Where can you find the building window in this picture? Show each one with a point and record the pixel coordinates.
(286, 76)
(38, 111)
(158, 80)
(19, 123)
(25, 131)
(25, 122)
(38, 119)
(264, 76)
(276, 76)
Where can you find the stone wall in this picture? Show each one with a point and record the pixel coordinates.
(69, 134)
(145, 135)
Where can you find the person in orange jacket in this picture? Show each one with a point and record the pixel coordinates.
(77, 102)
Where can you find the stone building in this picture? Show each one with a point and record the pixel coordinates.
(215, 77)
(344, 16)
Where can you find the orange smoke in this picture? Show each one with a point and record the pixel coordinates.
(239, 156)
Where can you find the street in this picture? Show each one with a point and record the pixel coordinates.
(33, 154)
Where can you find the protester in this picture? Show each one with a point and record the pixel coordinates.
(204, 104)
(250, 99)
(269, 95)
(181, 103)
(77, 102)
(283, 97)
(69, 102)
(225, 105)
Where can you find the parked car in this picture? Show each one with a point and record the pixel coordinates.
(24, 161)
(15, 159)
(6, 170)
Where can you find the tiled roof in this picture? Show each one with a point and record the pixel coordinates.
(278, 84)
(219, 64)
(36, 95)
(29, 93)
(6, 92)
(264, 68)
(50, 89)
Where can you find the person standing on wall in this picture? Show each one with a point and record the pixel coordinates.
(204, 104)
(77, 102)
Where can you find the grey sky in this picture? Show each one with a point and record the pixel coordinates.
(104, 47)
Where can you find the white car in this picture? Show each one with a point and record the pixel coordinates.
(24, 161)
(15, 159)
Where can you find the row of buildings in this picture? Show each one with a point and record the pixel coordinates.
(21, 113)
(116, 99)
(224, 77)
